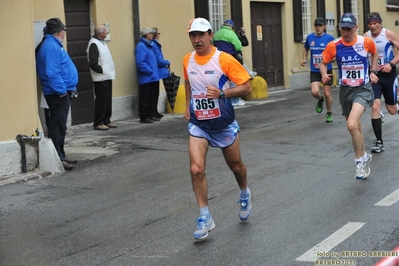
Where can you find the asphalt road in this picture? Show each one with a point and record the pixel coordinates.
(129, 200)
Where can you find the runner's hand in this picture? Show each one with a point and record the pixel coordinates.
(386, 68)
(187, 114)
(326, 78)
(212, 92)
(373, 78)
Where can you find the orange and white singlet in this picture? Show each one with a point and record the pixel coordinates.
(213, 69)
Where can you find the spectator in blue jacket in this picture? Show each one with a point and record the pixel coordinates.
(58, 77)
(163, 69)
(147, 74)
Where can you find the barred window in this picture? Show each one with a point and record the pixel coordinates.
(393, 2)
(306, 18)
(216, 14)
(355, 11)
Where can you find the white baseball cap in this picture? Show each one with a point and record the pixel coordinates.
(199, 24)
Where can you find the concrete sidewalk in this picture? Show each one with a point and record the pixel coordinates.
(84, 143)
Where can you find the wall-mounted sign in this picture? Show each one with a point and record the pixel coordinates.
(108, 38)
(259, 35)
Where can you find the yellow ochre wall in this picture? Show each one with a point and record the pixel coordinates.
(173, 27)
(18, 99)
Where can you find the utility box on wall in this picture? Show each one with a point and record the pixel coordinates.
(38, 31)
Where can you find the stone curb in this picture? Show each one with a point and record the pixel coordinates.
(20, 178)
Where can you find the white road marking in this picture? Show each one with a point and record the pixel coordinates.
(331, 241)
(258, 102)
(389, 200)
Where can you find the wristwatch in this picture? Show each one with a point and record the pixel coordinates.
(221, 95)
(392, 64)
(374, 71)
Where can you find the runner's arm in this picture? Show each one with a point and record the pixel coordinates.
(304, 56)
(374, 55)
(238, 91)
(323, 71)
(394, 39)
(187, 88)
(328, 56)
(373, 67)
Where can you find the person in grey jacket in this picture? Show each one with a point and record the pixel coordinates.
(102, 72)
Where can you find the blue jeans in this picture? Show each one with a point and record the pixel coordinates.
(234, 100)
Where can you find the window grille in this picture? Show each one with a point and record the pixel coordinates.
(306, 18)
(216, 14)
(355, 12)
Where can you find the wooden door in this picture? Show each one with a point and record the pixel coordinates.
(267, 43)
(77, 16)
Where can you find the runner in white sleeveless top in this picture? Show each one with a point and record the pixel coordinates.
(207, 75)
(387, 84)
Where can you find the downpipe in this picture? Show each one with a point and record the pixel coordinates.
(22, 139)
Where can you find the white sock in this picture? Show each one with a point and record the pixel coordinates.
(245, 191)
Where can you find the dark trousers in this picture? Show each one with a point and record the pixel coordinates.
(154, 99)
(46, 115)
(103, 102)
(148, 99)
(57, 120)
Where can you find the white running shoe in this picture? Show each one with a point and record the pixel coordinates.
(378, 147)
(362, 170)
(253, 74)
(369, 159)
(204, 225)
(245, 206)
(240, 102)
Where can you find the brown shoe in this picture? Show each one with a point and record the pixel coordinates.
(101, 127)
(67, 166)
(112, 125)
(70, 161)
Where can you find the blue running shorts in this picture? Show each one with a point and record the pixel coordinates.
(216, 137)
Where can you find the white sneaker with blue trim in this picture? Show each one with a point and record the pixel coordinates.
(362, 170)
(204, 225)
(245, 206)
